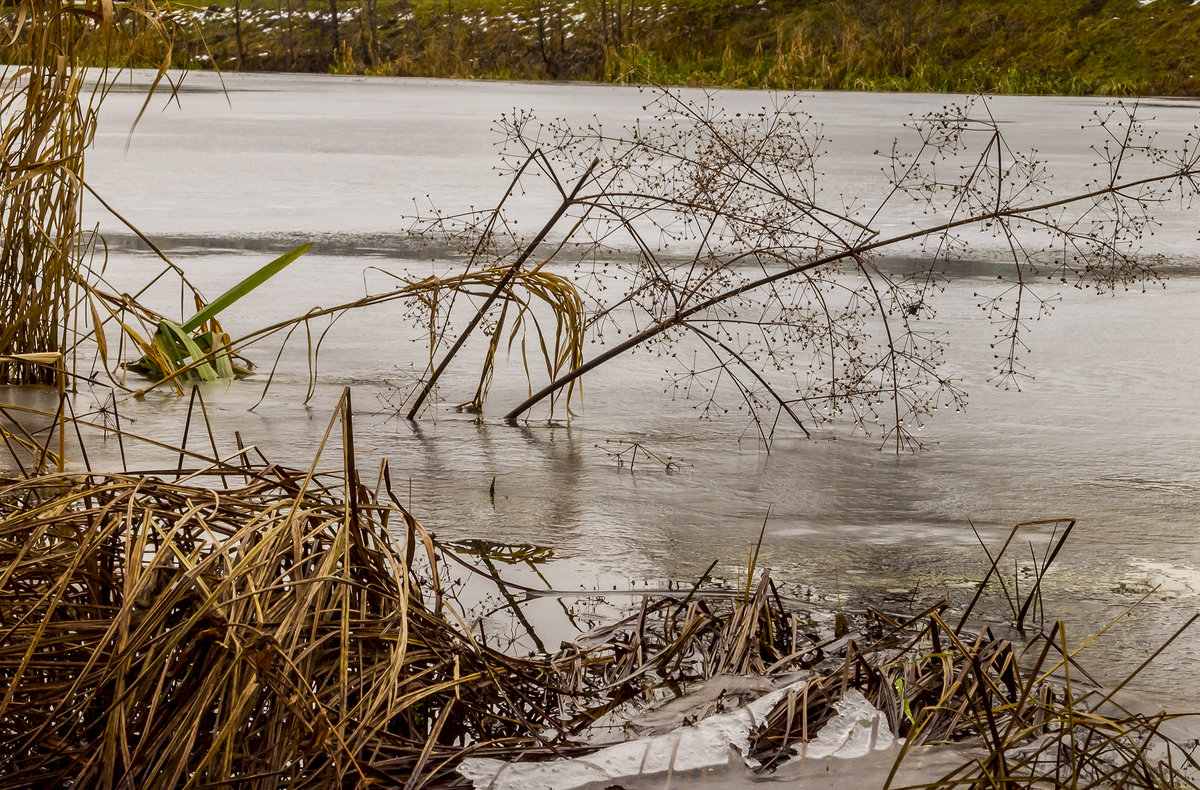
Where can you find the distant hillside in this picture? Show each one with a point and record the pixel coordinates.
(1020, 46)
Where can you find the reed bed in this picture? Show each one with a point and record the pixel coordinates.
(241, 624)
(48, 114)
(273, 633)
(269, 634)
(47, 123)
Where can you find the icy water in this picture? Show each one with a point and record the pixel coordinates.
(1108, 431)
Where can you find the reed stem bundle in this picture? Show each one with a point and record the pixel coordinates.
(47, 121)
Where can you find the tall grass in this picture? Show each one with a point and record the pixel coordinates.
(48, 108)
(48, 121)
(1108, 47)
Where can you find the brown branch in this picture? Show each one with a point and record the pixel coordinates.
(856, 251)
(499, 289)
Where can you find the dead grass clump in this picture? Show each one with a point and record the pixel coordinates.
(253, 626)
(48, 115)
(47, 123)
(159, 634)
(1027, 714)
(1029, 719)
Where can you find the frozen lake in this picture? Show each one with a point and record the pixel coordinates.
(1108, 431)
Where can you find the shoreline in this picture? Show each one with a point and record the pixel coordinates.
(1102, 48)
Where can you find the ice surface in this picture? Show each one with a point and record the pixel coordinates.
(858, 729)
(716, 742)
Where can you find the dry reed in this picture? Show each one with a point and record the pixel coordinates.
(242, 624)
(48, 110)
(47, 124)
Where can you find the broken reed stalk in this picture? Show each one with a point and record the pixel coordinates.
(567, 201)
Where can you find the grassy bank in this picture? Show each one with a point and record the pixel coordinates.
(1111, 47)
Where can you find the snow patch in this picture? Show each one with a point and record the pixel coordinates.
(716, 742)
(858, 729)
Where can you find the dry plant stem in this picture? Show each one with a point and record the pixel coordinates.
(789, 288)
(1020, 616)
(125, 435)
(716, 291)
(566, 203)
(496, 215)
(43, 144)
(49, 121)
(753, 371)
(858, 252)
(410, 290)
(1045, 565)
(171, 266)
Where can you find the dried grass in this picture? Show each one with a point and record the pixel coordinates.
(241, 624)
(269, 634)
(48, 110)
(47, 124)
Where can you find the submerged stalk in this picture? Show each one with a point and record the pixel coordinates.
(499, 289)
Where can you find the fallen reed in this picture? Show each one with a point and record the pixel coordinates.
(242, 624)
(269, 633)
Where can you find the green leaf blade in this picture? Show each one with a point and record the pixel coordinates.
(244, 287)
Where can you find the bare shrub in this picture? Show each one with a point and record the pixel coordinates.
(707, 235)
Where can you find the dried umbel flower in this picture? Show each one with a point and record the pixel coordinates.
(706, 236)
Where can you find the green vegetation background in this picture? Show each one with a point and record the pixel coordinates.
(1112, 47)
